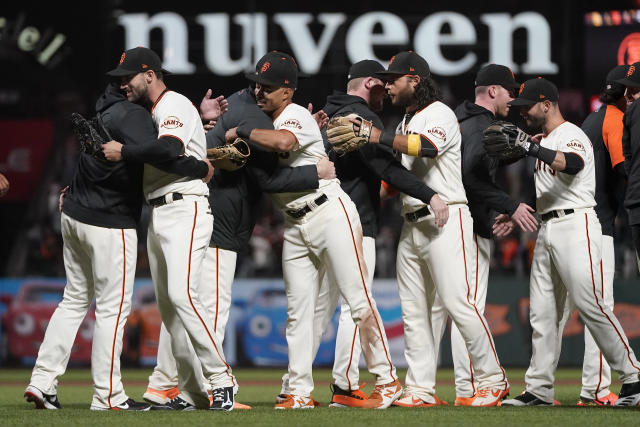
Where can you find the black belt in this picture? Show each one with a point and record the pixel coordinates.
(414, 216)
(556, 214)
(162, 200)
(299, 213)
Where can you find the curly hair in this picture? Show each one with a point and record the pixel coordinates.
(426, 92)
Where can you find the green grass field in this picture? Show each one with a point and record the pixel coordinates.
(258, 387)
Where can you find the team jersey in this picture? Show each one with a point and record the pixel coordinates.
(175, 116)
(560, 190)
(299, 121)
(443, 173)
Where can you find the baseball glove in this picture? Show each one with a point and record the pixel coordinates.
(505, 141)
(346, 136)
(229, 157)
(88, 135)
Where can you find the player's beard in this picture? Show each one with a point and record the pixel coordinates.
(405, 98)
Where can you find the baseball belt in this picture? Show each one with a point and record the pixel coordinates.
(299, 213)
(556, 214)
(414, 216)
(166, 199)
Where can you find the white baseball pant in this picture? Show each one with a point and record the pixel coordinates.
(99, 262)
(329, 236)
(430, 260)
(179, 234)
(566, 261)
(466, 385)
(218, 271)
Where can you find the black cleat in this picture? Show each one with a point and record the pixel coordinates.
(127, 405)
(222, 399)
(175, 404)
(41, 400)
(629, 395)
(525, 399)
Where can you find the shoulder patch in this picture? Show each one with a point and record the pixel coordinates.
(291, 123)
(171, 122)
(438, 132)
(575, 145)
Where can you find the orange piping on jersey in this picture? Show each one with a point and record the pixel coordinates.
(215, 323)
(353, 341)
(364, 286)
(466, 278)
(158, 100)
(612, 128)
(595, 295)
(600, 353)
(115, 332)
(193, 229)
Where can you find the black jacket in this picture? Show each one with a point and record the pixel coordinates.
(478, 170)
(234, 195)
(360, 171)
(631, 151)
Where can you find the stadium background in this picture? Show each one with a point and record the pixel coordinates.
(53, 60)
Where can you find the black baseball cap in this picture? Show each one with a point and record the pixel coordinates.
(366, 68)
(534, 91)
(494, 74)
(137, 60)
(275, 69)
(612, 87)
(632, 78)
(404, 63)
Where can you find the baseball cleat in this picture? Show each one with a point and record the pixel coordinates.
(384, 395)
(41, 400)
(488, 397)
(222, 399)
(296, 402)
(160, 397)
(608, 400)
(463, 401)
(347, 398)
(175, 404)
(127, 405)
(408, 400)
(525, 399)
(629, 395)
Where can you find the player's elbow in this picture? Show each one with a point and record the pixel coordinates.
(286, 141)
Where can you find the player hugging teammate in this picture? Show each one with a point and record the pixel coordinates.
(446, 174)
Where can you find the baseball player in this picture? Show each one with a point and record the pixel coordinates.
(179, 232)
(99, 216)
(494, 88)
(604, 130)
(436, 256)
(322, 232)
(567, 255)
(360, 174)
(630, 147)
(234, 198)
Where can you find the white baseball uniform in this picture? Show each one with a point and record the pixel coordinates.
(327, 237)
(567, 262)
(432, 259)
(178, 237)
(99, 262)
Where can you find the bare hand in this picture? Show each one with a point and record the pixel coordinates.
(320, 116)
(524, 219)
(207, 178)
(63, 192)
(503, 226)
(326, 169)
(440, 210)
(213, 108)
(231, 135)
(112, 151)
(537, 137)
(4, 185)
(209, 125)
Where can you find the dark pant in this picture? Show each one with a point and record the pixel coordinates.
(635, 235)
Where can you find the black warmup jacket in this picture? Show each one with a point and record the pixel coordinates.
(234, 196)
(631, 151)
(109, 194)
(360, 171)
(478, 170)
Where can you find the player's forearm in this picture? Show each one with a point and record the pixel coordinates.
(160, 150)
(274, 140)
(413, 144)
(184, 166)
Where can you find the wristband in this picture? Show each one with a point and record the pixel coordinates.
(413, 145)
(244, 131)
(387, 137)
(544, 154)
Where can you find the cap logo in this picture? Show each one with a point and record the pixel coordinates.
(393, 58)
(541, 96)
(145, 66)
(286, 81)
(521, 88)
(265, 67)
(411, 69)
(122, 57)
(632, 69)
